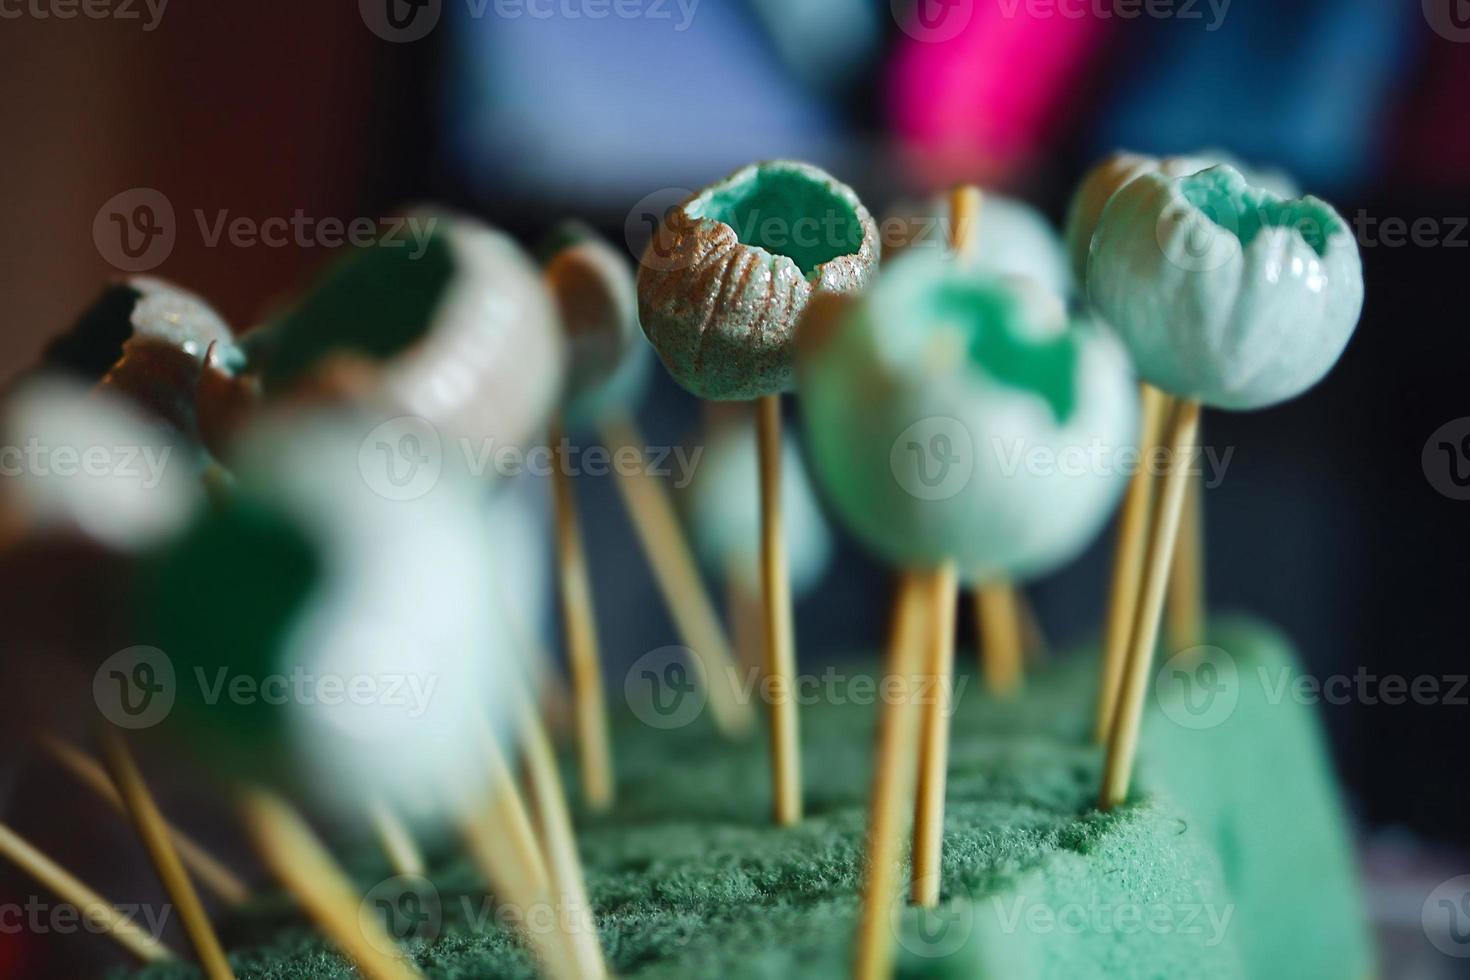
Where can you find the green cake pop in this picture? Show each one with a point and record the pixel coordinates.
(726, 277)
(726, 526)
(1121, 169)
(355, 625)
(452, 324)
(924, 399)
(1225, 292)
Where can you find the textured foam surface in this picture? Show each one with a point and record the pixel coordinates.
(1218, 868)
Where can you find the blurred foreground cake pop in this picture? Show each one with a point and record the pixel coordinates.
(446, 321)
(1228, 295)
(726, 277)
(324, 597)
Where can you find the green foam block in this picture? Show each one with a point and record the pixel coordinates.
(1218, 868)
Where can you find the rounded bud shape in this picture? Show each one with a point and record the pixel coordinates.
(448, 321)
(956, 417)
(1225, 292)
(724, 281)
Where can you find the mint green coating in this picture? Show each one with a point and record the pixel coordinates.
(936, 362)
(1225, 292)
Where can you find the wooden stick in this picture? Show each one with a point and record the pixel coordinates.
(1000, 638)
(1185, 611)
(943, 593)
(780, 661)
(559, 843)
(511, 821)
(579, 619)
(159, 842)
(1133, 533)
(893, 781)
(1180, 434)
(747, 618)
(396, 840)
(502, 843)
(669, 555)
(71, 890)
(210, 871)
(304, 867)
(1033, 638)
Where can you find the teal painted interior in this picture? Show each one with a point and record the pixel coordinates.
(1047, 368)
(1243, 211)
(375, 303)
(786, 213)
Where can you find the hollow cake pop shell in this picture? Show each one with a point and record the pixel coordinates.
(145, 308)
(949, 417)
(358, 624)
(1120, 169)
(726, 524)
(1011, 238)
(1225, 292)
(456, 321)
(724, 281)
(597, 299)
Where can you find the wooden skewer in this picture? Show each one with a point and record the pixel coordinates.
(71, 890)
(559, 843)
(743, 607)
(510, 819)
(304, 867)
(1185, 610)
(1033, 638)
(943, 595)
(1128, 556)
(780, 662)
(210, 871)
(1180, 434)
(1000, 638)
(396, 840)
(893, 780)
(594, 747)
(502, 842)
(668, 553)
(159, 842)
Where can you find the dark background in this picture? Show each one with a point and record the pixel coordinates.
(1326, 522)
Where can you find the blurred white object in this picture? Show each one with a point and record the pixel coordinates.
(85, 462)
